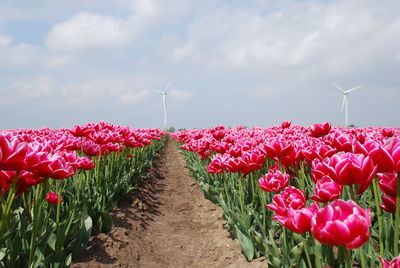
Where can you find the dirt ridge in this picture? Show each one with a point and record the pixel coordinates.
(167, 222)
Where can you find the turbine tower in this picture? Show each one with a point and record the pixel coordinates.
(346, 101)
(164, 94)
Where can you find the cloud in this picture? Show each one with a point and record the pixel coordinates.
(17, 56)
(87, 31)
(133, 97)
(180, 96)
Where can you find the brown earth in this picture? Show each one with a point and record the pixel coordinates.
(167, 222)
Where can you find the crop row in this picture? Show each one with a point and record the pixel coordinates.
(303, 196)
(58, 186)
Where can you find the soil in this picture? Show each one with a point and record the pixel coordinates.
(166, 222)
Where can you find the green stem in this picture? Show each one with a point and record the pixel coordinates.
(6, 207)
(318, 258)
(379, 216)
(397, 219)
(241, 195)
(306, 251)
(347, 257)
(362, 257)
(352, 194)
(35, 216)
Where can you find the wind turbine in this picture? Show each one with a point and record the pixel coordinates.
(164, 94)
(346, 101)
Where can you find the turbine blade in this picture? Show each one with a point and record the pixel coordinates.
(344, 101)
(166, 88)
(336, 85)
(354, 88)
(157, 91)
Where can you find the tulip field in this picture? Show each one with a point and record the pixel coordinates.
(317, 196)
(57, 187)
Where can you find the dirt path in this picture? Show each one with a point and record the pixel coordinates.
(166, 223)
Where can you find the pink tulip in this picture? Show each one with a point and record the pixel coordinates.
(290, 198)
(387, 156)
(85, 163)
(342, 223)
(388, 132)
(285, 124)
(12, 153)
(297, 220)
(274, 181)
(91, 149)
(326, 190)
(6, 178)
(348, 169)
(320, 130)
(395, 263)
(388, 183)
(389, 204)
(53, 198)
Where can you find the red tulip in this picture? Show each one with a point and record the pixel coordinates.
(6, 178)
(395, 263)
(389, 204)
(326, 190)
(297, 220)
(320, 130)
(79, 131)
(274, 181)
(85, 163)
(91, 149)
(53, 198)
(387, 156)
(285, 124)
(388, 183)
(291, 198)
(12, 153)
(387, 132)
(348, 169)
(342, 223)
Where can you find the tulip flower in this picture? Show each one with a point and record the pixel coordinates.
(395, 263)
(387, 156)
(91, 149)
(320, 130)
(12, 153)
(53, 198)
(290, 198)
(297, 220)
(274, 181)
(326, 190)
(6, 178)
(342, 223)
(85, 163)
(389, 203)
(348, 169)
(388, 183)
(285, 124)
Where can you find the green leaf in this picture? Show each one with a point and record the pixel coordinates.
(3, 253)
(246, 243)
(52, 241)
(105, 222)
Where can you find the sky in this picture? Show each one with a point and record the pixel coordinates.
(236, 62)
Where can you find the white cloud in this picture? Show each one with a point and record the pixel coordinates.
(133, 97)
(38, 87)
(180, 96)
(17, 56)
(87, 31)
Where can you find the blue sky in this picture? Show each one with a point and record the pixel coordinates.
(253, 63)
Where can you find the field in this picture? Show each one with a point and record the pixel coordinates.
(288, 196)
